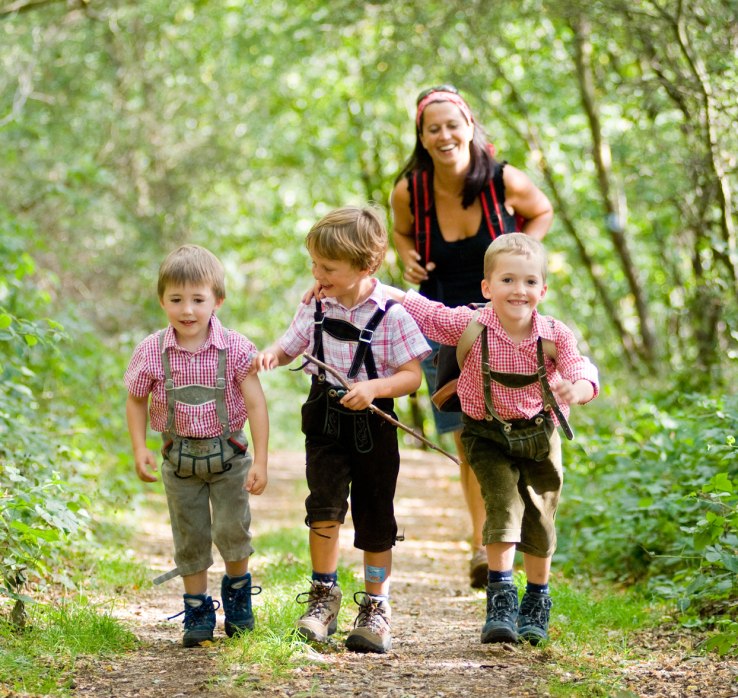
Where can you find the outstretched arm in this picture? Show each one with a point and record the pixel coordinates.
(270, 358)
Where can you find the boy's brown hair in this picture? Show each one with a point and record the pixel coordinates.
(514, 243)
(354, 234)
(192, 264)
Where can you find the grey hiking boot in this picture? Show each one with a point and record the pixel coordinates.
(372, 632)
(478, 569)
(236, 593)
(502, 612)
(199, 619)
(321, 618)
(535, 610)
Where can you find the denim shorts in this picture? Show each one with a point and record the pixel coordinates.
(445, 422)
(195, 528)
(521, 495)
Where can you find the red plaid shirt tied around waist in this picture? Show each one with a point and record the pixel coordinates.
(145, 376)
(446, 325)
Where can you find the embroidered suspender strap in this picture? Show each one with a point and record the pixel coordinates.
(549, 401)
(318, 319)
(195, 394)
(512, 380)
(364, 354)
(346, 332)
(491, 412)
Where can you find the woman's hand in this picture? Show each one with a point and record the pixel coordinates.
(415, 272)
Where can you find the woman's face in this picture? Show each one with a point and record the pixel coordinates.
(445, 134)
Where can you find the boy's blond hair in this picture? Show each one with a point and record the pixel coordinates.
(192, 264)
(353, 234)
(514, 243)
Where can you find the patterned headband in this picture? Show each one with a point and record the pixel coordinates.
(442, 96)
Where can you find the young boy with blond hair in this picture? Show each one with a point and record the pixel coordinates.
(351, 452)
(519, 378)
(193, 380)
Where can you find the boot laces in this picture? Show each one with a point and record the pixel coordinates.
(194, 614)
(317, 599)
(536, 609)
(502, 604)
(371, 614)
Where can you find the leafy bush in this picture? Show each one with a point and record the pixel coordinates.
(653, 500)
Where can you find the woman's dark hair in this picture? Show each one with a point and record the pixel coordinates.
(481, 164)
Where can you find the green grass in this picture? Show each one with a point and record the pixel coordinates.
(590, 638)
(273, 649)
(40, 659)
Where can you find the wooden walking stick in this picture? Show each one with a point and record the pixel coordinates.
(381, 413)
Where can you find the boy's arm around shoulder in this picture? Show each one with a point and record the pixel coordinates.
(258, 417)
(272, 357)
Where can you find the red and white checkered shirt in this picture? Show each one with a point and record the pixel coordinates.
(145, 375)
(396, 340)
(446, 325)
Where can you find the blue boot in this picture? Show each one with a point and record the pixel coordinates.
(535, 611)
(236, 593)
(199, 619)
(502, 612)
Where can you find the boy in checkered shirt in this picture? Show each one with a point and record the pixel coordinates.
(354, 329)
(193, 380)
(520, 377)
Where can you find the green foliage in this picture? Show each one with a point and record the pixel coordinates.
(657, 490)
(41, 658)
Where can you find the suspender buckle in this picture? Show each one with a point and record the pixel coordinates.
(366, 335)
(220, 384)
(169, 384)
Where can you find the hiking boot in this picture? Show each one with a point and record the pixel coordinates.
(321, 618)
(535, 610)
(502, 612)
(236, 593)
(199, 619)
(371, 631)
(478, 569)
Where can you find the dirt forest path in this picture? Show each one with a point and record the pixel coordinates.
(436, 617)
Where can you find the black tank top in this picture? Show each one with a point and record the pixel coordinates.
(459, 271)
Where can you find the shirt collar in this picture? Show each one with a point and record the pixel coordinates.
(216, 336)
(542, 327)
(376, 296)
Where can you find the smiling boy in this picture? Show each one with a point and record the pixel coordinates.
(193, 381)
(509, 424)
(351, 452)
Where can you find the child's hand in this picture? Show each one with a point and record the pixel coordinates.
(264, 361)
(145, 464)
(256, 481)
(360, 396)
(315, 292)
(574, 393)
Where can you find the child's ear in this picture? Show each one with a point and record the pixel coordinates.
(218, 303)
(485, 290)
